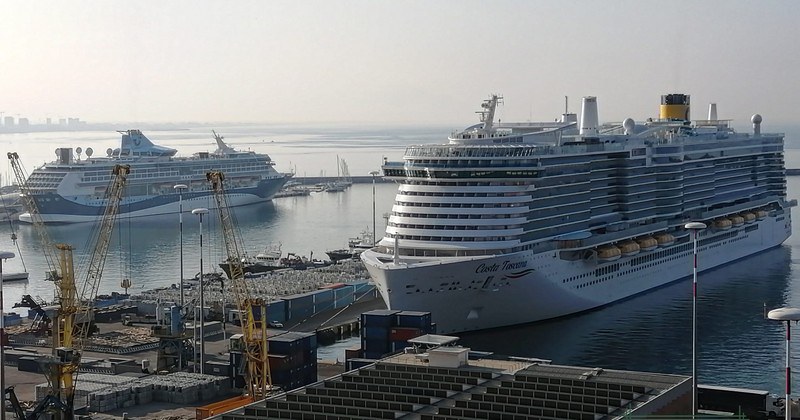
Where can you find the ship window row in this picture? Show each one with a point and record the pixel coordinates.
(458, 205)
(461, 194)
(453, 227)
(452, 239)
(453, 216)
(466, 174)
(416, 252)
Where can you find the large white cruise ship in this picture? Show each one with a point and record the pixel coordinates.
(511, 223)
(71, 190)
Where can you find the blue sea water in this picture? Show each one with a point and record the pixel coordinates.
(650, 332)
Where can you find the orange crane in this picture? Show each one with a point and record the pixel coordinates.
(253, 310)
(61, 367)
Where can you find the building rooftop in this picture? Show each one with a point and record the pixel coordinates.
(409, 386)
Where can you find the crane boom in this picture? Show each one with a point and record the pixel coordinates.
(97, 258)
(253, 310)
(61, 369)
(26, 193)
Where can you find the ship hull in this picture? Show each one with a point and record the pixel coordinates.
(55, 208)
(483, 293)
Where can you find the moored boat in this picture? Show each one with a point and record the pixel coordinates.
(66, 190)
(482, 229)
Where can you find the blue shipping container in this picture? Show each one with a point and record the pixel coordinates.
(378, 318)
(412, 319)
(375, 333)
(343, 296)
(323, 297)
(276, 310)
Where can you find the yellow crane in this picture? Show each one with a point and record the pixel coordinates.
(62, 367)
(253, 310)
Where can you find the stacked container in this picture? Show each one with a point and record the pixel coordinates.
(292, 359)
(388, 331)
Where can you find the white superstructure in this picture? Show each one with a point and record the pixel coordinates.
(71, 190)
(511, 223)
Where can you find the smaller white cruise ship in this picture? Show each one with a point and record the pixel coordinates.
(509, 223)
(71, 190)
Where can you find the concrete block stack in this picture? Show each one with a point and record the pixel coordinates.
(87, 385)
(187, 387)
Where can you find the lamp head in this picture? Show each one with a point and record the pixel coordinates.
(784, 314)
(5, 255)
(374, 173)
(180, 187)
(200, 211)
(695, 226)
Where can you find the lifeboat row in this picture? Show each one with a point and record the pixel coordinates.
(631, 247)
(736, 220)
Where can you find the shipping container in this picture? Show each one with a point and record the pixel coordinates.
(282, 362)
(403, 334)
(323, 299)
(276, 310)
(300, 301)
(378, 318)
(352, 353)
(333, 286)
(413, 319)
(297, 314)
(28, 364)
(381, 346)
(375, 333)
(218, 368)
(343, 296)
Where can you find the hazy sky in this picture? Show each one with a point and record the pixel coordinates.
(394, 61)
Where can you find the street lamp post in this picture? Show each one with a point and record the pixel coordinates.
(4, 255)
(180, 188)
(695, 227)
(374, 174)
(786, 314)
(200, 212)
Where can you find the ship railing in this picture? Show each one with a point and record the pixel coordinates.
(505, 151)
(604, 238)
(712, 214)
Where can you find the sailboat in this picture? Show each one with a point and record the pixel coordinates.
(343, 181)
(12, 210)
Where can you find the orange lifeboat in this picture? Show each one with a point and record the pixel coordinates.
(628, 248)
(608, 253)
(761, 214)
(722, 224)
(647, 243)
(749, 217)
(665, 239)
(737, 220)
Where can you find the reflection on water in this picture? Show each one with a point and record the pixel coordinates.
(652, 332)
(148, 250)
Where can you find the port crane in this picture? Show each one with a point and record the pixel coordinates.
(61, 367)
(253, 310)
